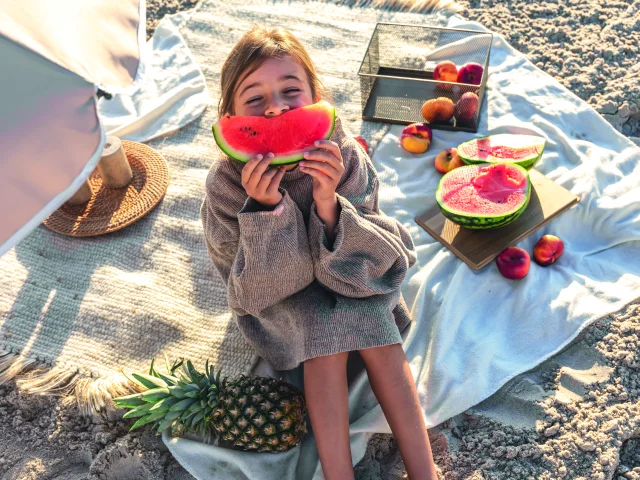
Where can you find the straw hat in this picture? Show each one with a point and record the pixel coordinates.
(110, 209)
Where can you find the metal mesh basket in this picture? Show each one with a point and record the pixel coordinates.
(396, 74)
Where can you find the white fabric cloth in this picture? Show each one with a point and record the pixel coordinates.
(170, 91)
(475, 330)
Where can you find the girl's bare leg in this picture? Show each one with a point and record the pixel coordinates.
(394, 387)
(327, 397)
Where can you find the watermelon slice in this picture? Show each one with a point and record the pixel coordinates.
(523, 150)
(287, 135)
(484, 196)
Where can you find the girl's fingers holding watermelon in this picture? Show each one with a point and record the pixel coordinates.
(322, 178)
(331, 146)
(324, 156)
(248, 168)
(324, 167)
(314, 173)
(266, 179)
(275, 181)
(258, 170)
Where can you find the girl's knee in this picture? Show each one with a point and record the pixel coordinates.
(384, 351)
(327, 360)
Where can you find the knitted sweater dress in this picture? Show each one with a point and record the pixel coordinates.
(293, 296)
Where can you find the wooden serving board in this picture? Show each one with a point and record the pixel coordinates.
(477, 248)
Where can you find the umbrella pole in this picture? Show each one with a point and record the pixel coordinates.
(83, 195)
(114, 167)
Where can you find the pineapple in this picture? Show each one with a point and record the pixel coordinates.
(254, 413)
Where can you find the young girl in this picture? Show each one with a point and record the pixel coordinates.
(313, 268)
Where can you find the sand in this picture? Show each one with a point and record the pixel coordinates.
(591, 47)
(576, 416)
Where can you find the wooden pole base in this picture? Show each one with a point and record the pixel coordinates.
(114, 167)
(83, 195)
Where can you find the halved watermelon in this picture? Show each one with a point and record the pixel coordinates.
(523, 150)
(484, 196)
(287, 135)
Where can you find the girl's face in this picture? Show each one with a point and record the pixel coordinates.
(277, 86)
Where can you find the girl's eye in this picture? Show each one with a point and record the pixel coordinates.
(292, 90)
(253, 100)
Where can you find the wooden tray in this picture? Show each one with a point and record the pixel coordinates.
(477, 248)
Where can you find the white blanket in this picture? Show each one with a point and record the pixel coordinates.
(170, 90)
(473, 331)
(476, 330)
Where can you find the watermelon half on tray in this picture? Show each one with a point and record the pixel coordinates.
(484, 196)
(287, 136)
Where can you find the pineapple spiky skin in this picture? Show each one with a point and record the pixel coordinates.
(260, 413)
(253, 413)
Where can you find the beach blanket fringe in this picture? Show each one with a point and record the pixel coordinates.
(92, 394)
(415, 6)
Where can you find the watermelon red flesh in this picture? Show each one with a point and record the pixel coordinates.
(287, 135)
(484, 196)
(525, 150)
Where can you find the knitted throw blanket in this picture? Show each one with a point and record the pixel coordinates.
(76, 311)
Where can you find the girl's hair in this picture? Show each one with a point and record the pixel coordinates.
(257, 46)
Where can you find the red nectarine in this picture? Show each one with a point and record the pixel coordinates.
(547, 250)
(466, 107)
(513, 263)
(471, 73)
(362, 141)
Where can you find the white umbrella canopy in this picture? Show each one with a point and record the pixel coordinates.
(54, 56)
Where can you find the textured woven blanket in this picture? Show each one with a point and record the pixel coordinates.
(75, 311)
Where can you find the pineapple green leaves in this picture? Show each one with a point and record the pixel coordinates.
(172, 400)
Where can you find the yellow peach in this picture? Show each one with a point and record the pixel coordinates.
(447, 160)
(416, 138)
(438, 110)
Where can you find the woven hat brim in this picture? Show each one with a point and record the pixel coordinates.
(110, 210)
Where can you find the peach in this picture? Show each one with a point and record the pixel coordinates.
(438, 110)
(547, 250)
(513, 263)
(447, 160)
(446, 71)
(466, 107)
(470, 73)
(416, 138)
(362, 141)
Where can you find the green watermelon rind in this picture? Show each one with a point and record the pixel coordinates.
(277, 160)
(527, 162)
(482, 221)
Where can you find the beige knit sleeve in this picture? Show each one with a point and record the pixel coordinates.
(262, 254)
(371, 251)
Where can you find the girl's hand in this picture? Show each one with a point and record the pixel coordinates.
(326, 167)
(261, 182)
